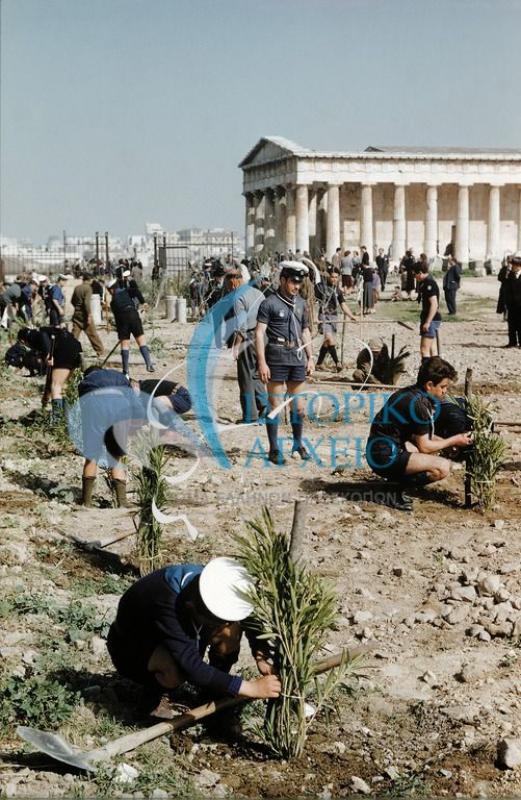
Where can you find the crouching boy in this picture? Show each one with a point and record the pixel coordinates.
(402, 445)
(167, 620)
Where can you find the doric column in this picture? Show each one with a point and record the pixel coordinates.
(494, 226)
(312, 218)
(333, 219)
(291, 226)
(399, 222)
(302, 218)
(250, 223)
(461, 247)
(269, 220)
(431, 222)
(280, 219)
(259, 221)
(366, 219)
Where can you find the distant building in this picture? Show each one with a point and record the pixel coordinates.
(430, 199)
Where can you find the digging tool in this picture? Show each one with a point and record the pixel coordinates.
(52, 744)
(48, 378)
(109, 355)
(405, 325)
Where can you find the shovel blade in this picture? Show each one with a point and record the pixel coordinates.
(54, 746)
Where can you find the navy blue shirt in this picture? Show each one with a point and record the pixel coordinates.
(285, 319)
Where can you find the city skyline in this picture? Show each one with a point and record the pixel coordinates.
(119, 112)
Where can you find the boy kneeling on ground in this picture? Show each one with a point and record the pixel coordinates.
(402, 445)
(167, 620)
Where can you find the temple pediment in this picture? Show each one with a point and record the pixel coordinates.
(269, 149)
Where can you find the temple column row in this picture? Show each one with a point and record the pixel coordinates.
(291, 218)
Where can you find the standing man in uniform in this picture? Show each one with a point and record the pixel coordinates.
(430, 317)
(451, 284)
(82, 316)
(512, 296)
(330, 298)
(286, 359)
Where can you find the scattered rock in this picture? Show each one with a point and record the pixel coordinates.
(466, 593)
(456, 614)
(430, 679)
(98, 646)
(509, 753)
(359, 785)
(359, 617)
(125, 773)
(392, 773)
(488, 584)
(206, 779)
(397, 572)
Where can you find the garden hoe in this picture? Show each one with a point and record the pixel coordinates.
(55, 746)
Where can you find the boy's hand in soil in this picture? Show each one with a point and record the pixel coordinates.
(261, 688)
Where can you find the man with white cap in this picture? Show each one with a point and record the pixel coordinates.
(167, 620)
(286, 358)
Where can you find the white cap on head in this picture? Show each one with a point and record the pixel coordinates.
(127, 273)
(515, 258)
(222, 586)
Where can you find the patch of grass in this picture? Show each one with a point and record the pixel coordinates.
(409, 785)
(158, 769)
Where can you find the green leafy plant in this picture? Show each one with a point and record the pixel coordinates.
(488, 451)
(36, 700)
(151, 487)
(293, 611)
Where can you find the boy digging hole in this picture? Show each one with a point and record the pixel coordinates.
(168, 619)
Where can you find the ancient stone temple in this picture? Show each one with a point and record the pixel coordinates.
(389, 197)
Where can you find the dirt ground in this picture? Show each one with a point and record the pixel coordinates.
(433, 596)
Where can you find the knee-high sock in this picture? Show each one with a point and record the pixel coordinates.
(272, 429)
(57, 409)
(125, 356)
(322, 354)
(333, 352)
(297, 425)
(145, 352)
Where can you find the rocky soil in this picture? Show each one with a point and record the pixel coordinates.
(433, 596)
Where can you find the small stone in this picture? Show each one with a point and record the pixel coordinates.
(206, 779)
(98, 646)
(340, 747)
(470, 574)
(484, 636)
(474, 630)
(464, 593)
(359, 617)
(499, 630)
(397, 572)
(426, 614)
(488, 584)
(445, 773)
(392, 773)
(509, 753)
(367, 633)
(125, 773)
(499, 524)
(502, 595)
(159, 794)
(359, 785)
(509, 567)
(430, 679)
(465, 674)
(456, 615)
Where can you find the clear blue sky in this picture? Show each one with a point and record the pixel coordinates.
(117, 112)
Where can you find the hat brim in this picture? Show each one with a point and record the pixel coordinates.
(223, 586)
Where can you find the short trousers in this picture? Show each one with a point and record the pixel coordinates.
(285, 365)
(386, 457)
(128, 322)
(433, 329)
(347, 281)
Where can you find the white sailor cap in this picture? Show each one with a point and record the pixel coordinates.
(293, 269)
(224, 586)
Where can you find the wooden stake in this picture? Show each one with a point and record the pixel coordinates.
(297, 546)
(468, 478)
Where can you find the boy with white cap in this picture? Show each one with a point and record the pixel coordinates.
(167, 620)
(286, 358)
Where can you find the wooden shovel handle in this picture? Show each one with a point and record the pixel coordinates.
(132, 740)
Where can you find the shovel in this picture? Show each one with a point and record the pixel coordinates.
(55, 746)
